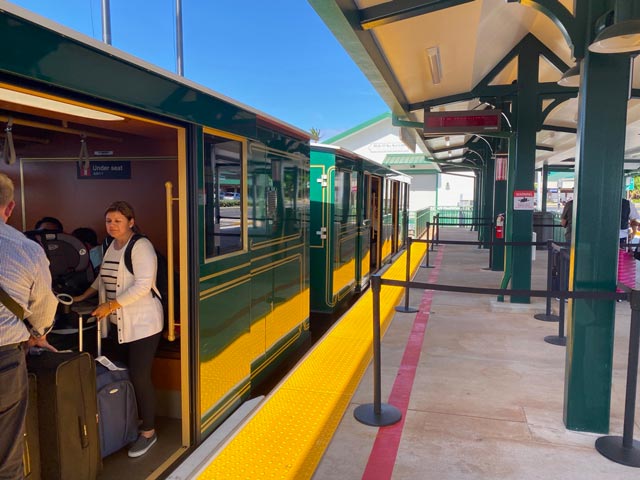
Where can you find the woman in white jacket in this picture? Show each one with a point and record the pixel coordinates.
(131, 312)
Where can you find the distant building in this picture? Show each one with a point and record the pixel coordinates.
(379, 140)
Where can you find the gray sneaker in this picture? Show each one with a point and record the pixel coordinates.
(142, 445)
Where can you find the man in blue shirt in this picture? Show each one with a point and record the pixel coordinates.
(25, 277)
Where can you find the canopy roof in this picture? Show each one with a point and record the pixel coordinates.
(478, 43)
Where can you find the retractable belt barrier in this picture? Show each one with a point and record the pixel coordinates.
(434, 242)
(622, 450)
(464, 221)
(557, 279)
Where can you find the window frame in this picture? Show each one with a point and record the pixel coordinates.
(243, 194)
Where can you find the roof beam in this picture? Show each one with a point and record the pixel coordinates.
(558, 128)
(447, 149)
(544, 148)
(459, 97)
(563, 19)
(390, 12)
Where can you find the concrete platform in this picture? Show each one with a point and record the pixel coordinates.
(483, 392)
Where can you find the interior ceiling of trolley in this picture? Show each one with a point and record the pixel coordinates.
(472, 38)
(36, 123)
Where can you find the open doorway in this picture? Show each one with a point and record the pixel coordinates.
(72, 160)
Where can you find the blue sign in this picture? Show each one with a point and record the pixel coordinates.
(104, 170)
(630, 183)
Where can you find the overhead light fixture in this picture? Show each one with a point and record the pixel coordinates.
(450, 154)
(571, 78)
(34, 101)
(447, 142)
(621, 32)
(457, 160)
(435, 65)
(621, 37)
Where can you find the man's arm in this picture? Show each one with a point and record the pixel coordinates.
(42, 302)
(564, 216)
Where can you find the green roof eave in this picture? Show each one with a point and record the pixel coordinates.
(409, 161)
(357, 128)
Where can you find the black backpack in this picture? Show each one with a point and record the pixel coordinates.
(161, 290)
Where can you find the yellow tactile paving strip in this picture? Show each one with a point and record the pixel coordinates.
(288, 435)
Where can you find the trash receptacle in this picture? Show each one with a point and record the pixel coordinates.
(543, 227)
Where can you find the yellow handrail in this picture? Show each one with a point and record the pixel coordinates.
(170, 300)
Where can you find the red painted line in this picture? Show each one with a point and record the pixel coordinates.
(385, 448)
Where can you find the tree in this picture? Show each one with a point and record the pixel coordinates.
(315, 134)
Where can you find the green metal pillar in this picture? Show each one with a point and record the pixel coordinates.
(488, 184)
(499, 202)
(526, 115)
(481, 186)
(508, 220)
(476, 198)
(594, 254)
(545, 188)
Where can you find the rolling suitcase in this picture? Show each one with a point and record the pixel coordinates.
(67, 415)
(31, 450)
(626, 269)
(117, 408)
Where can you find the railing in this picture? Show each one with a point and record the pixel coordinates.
(418, 222)
(455, 215)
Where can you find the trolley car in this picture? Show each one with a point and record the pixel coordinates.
(358, 220)
(221, 190)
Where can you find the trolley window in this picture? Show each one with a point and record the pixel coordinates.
(224, 184)
(345, 192)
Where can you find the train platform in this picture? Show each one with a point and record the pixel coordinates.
(480, 392)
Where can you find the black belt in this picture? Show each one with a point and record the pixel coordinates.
(11, 346)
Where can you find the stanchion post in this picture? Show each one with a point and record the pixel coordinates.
(560, 339)
(406, 308)
(625, 449)
(377, 414)
(491, 245)
(548, 316)
(426, 257)
(437, 231)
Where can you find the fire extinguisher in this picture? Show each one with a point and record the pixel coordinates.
(500, 226)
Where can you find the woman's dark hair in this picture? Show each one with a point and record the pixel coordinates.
(53, 220)
(86, 235)
(125, 209)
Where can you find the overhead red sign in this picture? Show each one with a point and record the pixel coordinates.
(460, 122)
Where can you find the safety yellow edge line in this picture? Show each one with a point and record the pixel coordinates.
(288, 435)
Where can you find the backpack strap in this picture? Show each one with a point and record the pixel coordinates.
(129, 263)
(127, 252)
(105, 243)
(11, 304)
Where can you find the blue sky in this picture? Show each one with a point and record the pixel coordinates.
(274, 55)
